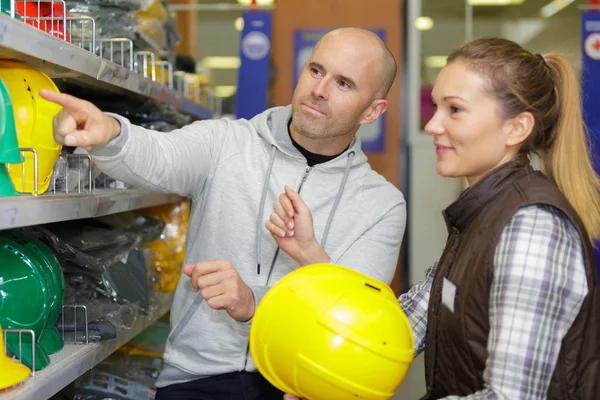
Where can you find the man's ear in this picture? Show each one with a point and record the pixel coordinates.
(519, 128)
(375, 110)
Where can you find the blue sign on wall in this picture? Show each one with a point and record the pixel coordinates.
(590, 87)
(253, 75)
(372, 136)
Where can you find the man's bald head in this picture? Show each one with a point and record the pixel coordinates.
(365, 39)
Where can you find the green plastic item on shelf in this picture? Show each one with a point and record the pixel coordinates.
(9, 146)
(38, 252)
(5, 9)
(24, 304)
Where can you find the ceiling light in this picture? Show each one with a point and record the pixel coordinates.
(225, 90)
(435, 61)
(221, 62)
(260, 3)
(423, 23)
(553, 7)
(495, 2)
(239, 24)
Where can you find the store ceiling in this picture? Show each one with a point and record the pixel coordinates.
(449, 9)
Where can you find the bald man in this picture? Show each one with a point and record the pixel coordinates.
(240, 174)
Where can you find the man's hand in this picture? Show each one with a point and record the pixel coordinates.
(222, 288)
(291, 225)
(80, 123)
(290, 397)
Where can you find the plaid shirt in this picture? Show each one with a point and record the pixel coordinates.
(538, 287)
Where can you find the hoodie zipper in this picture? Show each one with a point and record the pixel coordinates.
(307, 170)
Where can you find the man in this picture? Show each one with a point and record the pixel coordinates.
(234, 172)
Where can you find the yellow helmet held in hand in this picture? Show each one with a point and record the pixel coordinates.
(326, 332)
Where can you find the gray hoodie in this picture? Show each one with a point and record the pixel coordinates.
(234, 171)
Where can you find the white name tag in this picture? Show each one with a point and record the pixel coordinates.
(448, 294)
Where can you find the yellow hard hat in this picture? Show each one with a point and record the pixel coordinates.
(328, 332)
(13, 371)
(33, 120)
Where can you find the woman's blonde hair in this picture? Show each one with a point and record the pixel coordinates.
(547, 87)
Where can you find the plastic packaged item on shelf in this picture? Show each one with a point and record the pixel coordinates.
(98, 385)
(13, 372)
(9, 147)
(33, 118)
(152, 340)
(136, 351)
(153, 29)
(97, 330)
(71, 174)
(106, 182)
(46, 16)
(141, 368)
(164, 118)
(154, 9)
(112, 20)
(146, 24)
(105, 318)
(90, 235)
(147, 228)
(185, 63)
(86, 5)
(118, 273)
(166, 255)
(75, 176)
(161, 126)
(50, 339)
(155, 67)
(194, 86)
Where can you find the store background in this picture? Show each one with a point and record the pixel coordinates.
(210, 32)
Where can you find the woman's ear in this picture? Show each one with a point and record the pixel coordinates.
(519, 128)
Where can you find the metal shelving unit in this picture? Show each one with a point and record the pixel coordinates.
(29, 210)
(74, 360)
(60, 59)
(70, 64)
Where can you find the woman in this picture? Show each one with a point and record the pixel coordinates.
(512, 308)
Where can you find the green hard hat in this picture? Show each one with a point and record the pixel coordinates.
(9, 146)
(5, 8)
(24, 304)
(34, 249)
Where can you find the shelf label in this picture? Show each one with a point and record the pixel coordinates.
(3, 30)
(114, 74)
(9, 217)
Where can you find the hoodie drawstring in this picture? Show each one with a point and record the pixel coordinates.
(259, 222)
(337, 199)
(336, 203)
